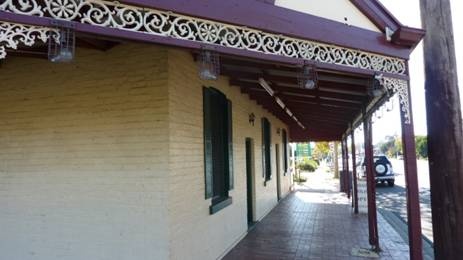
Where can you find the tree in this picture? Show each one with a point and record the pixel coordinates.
(391, 146)
(321, 150)
(421, 146)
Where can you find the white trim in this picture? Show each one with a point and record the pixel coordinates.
(13, 34)
(173, 25)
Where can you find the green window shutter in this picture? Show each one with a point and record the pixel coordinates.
(230, 145)
(269, 149)
(207, 143)
(264, 167)
(266, 149)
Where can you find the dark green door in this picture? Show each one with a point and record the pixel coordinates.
(249, 182)
(277, 160)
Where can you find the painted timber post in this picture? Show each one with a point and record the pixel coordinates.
(354, 175)
(371, 189)
(336, 163)
(343, 155)
(347, 167)
(445, 133)
(411, 180)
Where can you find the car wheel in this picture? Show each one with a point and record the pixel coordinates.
(380, 168)
(390, 183)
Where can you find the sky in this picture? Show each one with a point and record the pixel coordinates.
(408, 13)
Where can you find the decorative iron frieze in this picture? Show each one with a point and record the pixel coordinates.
(400, 87)
(169, 24)
(13, 34)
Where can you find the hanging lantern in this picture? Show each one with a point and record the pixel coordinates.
(62, 48)
(375, 88)
(209, 65)
(308, 77)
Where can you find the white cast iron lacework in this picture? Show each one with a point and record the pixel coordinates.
(12, 34)
(168, 24)
(400, 87)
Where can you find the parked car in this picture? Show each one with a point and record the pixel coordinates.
(383, 170)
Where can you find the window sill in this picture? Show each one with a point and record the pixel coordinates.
(220, 205)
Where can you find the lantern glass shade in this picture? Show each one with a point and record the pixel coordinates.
(62, 47)
(209, 65)
(308, 77)
(375, 89)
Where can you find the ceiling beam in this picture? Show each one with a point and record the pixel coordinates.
(284, 72)
(302, 92)
(300, 101)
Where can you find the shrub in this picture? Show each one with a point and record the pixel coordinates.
(307, 165)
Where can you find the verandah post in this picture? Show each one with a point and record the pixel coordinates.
(336, 164)
(347, 168)
(354, 175)
(411, 180)
(371, 189)
(343, 155)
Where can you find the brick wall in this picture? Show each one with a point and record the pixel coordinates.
(102, 158)
(194, 234)
(83, 156)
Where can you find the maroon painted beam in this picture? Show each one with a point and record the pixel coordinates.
(292, 81)
(382, 18)
(304, 100)
(301, 92)
(316, 109)
(333, 103)
(371, 184)
(377, 13)
(119, 34)
(281, 21)
(247, 65)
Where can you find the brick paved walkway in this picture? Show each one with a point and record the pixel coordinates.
(315, 223)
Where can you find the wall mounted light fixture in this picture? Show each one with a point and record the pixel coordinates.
(209, 65)
(252, 118)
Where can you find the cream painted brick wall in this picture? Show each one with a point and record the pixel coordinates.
(194, 234)
(103, 158)
(83, 156)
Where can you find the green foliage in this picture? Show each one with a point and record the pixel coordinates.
(321, 150)
(392, 146)
(307, 165)
(421, 146)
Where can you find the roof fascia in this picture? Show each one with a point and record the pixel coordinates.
(265, 16)
(382, 18)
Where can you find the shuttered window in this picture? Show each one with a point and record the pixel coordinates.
(285, 151)
(266, 152)
(218, 148)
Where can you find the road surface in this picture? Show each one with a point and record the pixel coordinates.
(394, 198)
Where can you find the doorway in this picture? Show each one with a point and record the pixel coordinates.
(250, 180)
(277, 160)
